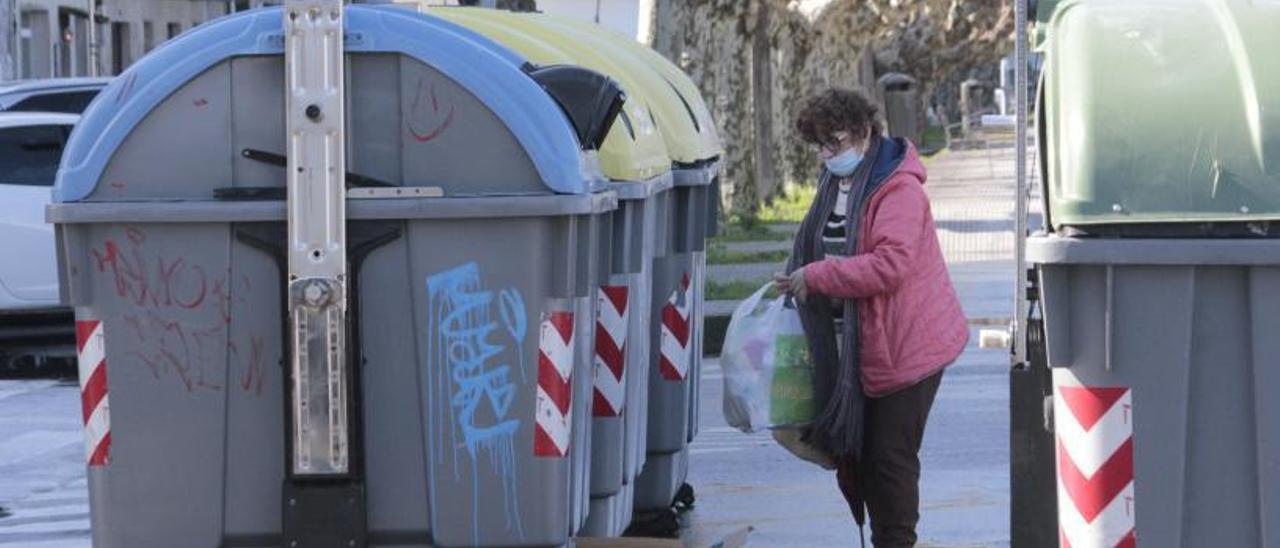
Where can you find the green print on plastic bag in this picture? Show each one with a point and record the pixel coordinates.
(791, 400)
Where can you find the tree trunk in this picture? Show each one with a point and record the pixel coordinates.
(665, 29)
(762, 85)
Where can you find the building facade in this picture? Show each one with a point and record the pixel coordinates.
(54, 38)
(623, 16)
(629, 17)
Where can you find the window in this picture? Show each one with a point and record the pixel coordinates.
(29, 155)
(37, 44)
(174, 30)
(148, 36)
(120, 45)
(73, 43)
(70, 102)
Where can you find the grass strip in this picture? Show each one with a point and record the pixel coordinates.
(717, 254)
(736, 291)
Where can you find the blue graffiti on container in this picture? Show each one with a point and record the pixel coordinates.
(466, 346)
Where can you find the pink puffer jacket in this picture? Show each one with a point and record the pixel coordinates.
(911, 323)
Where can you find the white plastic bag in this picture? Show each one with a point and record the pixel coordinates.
(768, 372)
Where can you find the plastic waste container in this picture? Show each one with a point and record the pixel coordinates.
(1159, 276)
(900, 96)
(695, 149)
(634, 157)
(685, 123)
(671, 104)
(474, 242)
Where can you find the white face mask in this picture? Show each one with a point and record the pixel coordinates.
(843, 164)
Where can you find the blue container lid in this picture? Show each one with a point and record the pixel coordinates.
(491, 72)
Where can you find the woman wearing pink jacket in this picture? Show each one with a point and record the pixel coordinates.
(878, 308)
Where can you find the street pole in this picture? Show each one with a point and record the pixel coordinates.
(93, 39)
(9, 41)
(1019, 327)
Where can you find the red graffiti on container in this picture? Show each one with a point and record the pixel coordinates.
(436, 122)
(252, 375)
(178, 314)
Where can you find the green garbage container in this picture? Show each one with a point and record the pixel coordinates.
(473, 224)
(1159, 272)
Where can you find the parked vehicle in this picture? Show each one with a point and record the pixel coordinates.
(67, 95)
(32, 323)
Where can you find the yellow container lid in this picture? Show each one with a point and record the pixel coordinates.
(634, 149)
(707, 145)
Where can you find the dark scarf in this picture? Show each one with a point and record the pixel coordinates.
(837, 429)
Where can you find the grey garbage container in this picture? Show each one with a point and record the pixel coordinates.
(675, 360)
(900, 96)
(1159, 272)
(1162, 370)
(633, 157)
(621, 343)
(472, 295)
(975, 100)
(710, 227)
(684, 122)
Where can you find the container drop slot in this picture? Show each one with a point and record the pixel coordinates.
(591, 100)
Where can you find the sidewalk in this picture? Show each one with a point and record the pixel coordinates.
(747, 480)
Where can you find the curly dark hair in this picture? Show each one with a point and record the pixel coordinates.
(838, 109)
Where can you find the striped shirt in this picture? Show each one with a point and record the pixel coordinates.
(836, 231)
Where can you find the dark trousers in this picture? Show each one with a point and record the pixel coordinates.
(887, 478)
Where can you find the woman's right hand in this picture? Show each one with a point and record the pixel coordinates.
(792, 284)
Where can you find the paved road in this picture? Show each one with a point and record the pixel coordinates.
(41, 463)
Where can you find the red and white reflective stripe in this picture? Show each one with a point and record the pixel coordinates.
(673, 362)
(1094, 426)
(555, 386)
(91, 355)
(611, 352)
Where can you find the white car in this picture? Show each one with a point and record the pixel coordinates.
(70, 95)
(31, 146)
